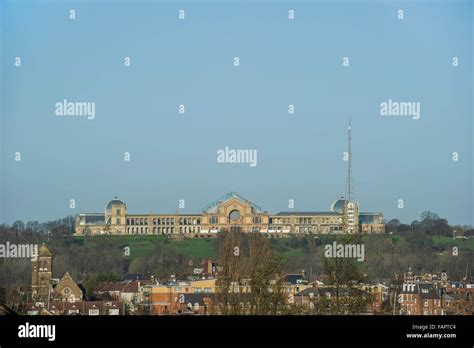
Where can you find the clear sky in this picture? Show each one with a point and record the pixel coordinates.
(190, 62)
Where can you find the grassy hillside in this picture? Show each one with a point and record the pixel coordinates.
(198, 248)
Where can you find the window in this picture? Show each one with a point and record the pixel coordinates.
(425, 303)
(207, 290)
(94, 311)
(114, 311)
(117, 211)
(234, 215)
(117, 221)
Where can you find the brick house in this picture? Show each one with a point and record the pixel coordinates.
(420, 298)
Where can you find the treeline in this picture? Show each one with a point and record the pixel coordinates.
(429, 223)
(60, 227)
(385, 255)
(82, 258)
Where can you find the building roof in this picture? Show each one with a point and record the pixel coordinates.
(196, 298)
(44, 251)
(328, 290)
(127, 277)
(131, 286)
(294, 279)
(111, 286)
(5, 310)
(312, 291)
(114, 201)
(211, 207)
(81, 307)
(93, 218)
(425, 290)
(338, 205)
(306, 213)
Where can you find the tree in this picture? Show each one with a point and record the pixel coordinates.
(392, 225)
(19, 225)
(250, 275)
(403, 228)
(344, 274)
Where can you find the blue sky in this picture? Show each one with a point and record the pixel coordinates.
(190, 62)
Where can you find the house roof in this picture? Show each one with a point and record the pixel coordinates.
(293, 279)
(111, 286)
(425, 290)
(196, 298)
(5, 310)
(135, 276)
(82, 307)
(325, 290)
(133, 286)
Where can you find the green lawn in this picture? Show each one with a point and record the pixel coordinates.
(293, 253)
(445, 243)
(196, 248)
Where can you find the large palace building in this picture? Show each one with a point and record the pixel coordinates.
(233, 212)
(230, 212)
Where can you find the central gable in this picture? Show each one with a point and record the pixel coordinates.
(231, 201)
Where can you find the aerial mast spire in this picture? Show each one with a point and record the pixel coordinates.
(350, 185)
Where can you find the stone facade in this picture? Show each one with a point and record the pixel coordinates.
(67, 290)
(231, 212)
